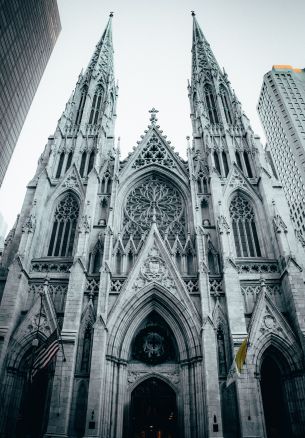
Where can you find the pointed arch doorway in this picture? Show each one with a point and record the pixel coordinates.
(153, 410)
(275, 406)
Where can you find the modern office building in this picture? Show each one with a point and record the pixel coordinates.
(282, 111)
(28, 33)
(157, 272)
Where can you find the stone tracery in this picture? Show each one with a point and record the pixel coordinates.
(154, 200)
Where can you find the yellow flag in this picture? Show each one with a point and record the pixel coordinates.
(241, 355)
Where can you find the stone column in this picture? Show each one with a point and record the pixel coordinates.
(213, 405)
(99, 379)
(60, 409)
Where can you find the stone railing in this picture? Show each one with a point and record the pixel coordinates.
(252, 266)
(51, 265)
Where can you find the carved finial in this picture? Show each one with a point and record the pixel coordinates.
(193, 14)
(45, 288)
(153, 117)
(188, 141)
(111, 14)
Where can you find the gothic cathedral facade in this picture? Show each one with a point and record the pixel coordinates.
(155, 269)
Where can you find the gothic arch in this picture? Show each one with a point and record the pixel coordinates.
(17, 401)
(63, 231)
(19, 345)
(290, 351)
(146, 172)
(124, 322)
(280, 383)
(160, 376)
(259, 214)
(86, 325)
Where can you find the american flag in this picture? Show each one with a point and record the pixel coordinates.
(45, 353)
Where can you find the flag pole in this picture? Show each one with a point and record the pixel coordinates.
(46, 291)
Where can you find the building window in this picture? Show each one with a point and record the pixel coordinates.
(96, 106)
(211, 104)
(60, 164)
(64, 227)
(225, 163)
(248, 165)
(83, 164)
(217, 163)
(81, 106)
(225, 104)
(69, 160)
(238, 160)
(91, 162)
(244, 228)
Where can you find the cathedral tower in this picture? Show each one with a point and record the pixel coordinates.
(155, 269)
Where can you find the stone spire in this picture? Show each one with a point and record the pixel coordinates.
(203, 59)
(101, 64)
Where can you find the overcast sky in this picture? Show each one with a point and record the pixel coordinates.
(152, 43)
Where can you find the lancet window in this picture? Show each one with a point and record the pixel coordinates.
(211, 104)
(83, 164)
(238, 160)
(60, 165)
(106, 182)
(81, 106)
(96, 106)
(222, 363)
(87, 162)
(248, 165)
(64, 227)
(225, 104)
(225, 163)
(217, 162)
(90, 162)
(86, 350)
(202, 182)
(244, 228)
(69, 160)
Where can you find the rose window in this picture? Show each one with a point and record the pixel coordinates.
(154, 200)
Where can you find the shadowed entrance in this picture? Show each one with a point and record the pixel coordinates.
(153, 410)
(274, 402)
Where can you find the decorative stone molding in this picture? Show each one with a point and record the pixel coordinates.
(253, 267)
(57, 292)
(154, 270)
(84, 226)
(71, 182)
(223, 225)
(92, 285)
(134, 376)
(155, 152)
(237, 180)
(39, 320)
(300, 237)
(58, 266)
(30, 224)
(216, 288)
(192, 285)
(116, 285)
(279, 225)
